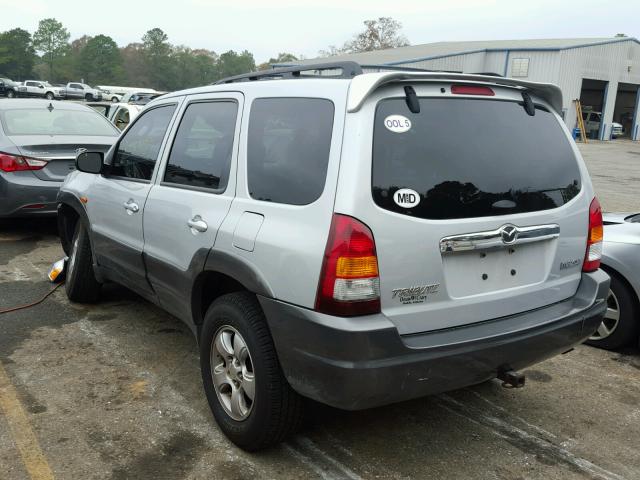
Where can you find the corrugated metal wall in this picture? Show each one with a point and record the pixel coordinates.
(614, 62)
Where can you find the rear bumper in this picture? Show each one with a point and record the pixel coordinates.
(19, 190)
(357, 363)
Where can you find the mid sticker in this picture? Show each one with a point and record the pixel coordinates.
(406, 198)
(397, 123)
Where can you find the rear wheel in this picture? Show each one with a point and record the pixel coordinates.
(81, 284)
(247, 392)
(620, 325)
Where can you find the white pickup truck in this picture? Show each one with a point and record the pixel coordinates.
(82, 90)
(592, 124)
(38, 88)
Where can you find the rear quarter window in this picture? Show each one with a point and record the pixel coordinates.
(464, 158)
(289, 140)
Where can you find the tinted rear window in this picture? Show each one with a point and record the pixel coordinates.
(288, 149)
(41, 121)
(471, 158)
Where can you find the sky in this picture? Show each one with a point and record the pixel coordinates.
(301, 27)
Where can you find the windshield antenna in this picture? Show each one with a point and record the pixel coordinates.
(412, 99)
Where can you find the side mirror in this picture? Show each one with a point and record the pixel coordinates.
(40, 86)
(89, 162)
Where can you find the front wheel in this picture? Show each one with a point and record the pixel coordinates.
(114, 100)
(250, 399)
(620, 325)
(81, 284)
(49, 96)
(11, 94)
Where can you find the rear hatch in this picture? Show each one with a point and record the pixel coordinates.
(58, 151)
(477, 208)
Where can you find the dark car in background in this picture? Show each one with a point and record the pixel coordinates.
(8, 88)
(38, 143)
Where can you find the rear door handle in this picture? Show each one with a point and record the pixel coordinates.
(131, 207)
(197, 224)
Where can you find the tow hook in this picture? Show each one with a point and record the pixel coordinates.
(511, 379)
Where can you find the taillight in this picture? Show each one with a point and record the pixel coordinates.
(349, 282)
(16, 163)
(471, 90)
(594, 239)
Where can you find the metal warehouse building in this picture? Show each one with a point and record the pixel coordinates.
(604, 73)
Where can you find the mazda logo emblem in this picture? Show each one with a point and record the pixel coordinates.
(509, 234)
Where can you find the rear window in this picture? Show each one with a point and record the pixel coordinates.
(41, 121)
(461, 158)
(288, 149)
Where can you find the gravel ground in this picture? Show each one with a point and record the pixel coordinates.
(113, 391)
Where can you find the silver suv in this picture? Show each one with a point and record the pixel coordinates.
(354, 238)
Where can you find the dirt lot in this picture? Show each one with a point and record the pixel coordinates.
(113, 391)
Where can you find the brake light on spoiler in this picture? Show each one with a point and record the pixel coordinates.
(17, 163)
(472, 90)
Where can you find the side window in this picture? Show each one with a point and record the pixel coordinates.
(288, 149)
(138, 150)
(122, 118)
(201, 152)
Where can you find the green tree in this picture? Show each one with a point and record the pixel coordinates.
(17, 55)
(156, 50)
(231, 63)
(134, 65)
(191, 68)
(100, 61)
(52, 39)
(281, 58)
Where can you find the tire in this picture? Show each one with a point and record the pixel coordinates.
(621, 325)
(114, 100)
(11, 94)
(275, 411)
(81, 284)
(88, 97)
(49, 96)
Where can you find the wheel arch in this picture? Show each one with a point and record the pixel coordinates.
(224, 273)
(70, 211)
(612, 268)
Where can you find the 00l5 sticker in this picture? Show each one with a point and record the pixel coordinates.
(397, 123)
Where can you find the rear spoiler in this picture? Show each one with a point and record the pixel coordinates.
(363, 85)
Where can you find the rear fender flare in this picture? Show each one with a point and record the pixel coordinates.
(239, 269)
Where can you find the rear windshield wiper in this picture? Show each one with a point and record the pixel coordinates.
(412, 99)
(529, 107)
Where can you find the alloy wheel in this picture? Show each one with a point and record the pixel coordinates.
(232, 373)
(611, 319)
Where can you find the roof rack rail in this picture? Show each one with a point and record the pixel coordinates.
(347, 69)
